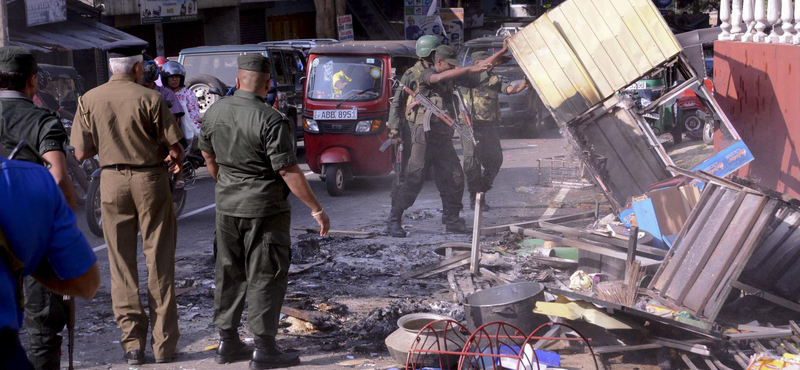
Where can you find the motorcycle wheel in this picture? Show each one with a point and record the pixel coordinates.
(708, 133)
(80, 192)
(94, 215)
(178, 200)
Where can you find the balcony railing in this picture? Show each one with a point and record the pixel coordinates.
(773, 21)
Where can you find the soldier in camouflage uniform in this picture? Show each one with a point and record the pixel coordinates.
(484, 111)
(401, 119)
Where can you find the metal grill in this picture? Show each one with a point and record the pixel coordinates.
(337, 128)
(561, 171)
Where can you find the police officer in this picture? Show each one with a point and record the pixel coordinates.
(248, 150)
(401, 119)
(435, 147)
(46, 313)
(134, 133)
(484, 111)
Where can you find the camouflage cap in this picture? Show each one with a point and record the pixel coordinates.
(15, 59)
(447, 53)
(254, 62)
(479, 55)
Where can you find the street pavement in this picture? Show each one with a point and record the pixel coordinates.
(363, 207)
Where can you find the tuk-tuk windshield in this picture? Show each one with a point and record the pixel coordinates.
(356, 78)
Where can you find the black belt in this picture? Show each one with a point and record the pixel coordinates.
(122, 167)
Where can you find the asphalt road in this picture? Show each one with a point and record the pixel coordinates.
(364, 206)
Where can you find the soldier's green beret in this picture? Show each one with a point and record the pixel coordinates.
(17, 59)
(479, 55)
(254, 62)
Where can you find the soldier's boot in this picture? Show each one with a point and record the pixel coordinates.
(394, 226)
(231, 349)
(269, 356)
(455, 224)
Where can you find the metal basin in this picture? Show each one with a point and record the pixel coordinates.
(511, 303)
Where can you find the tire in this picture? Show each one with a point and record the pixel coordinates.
(334, 179)
(80, 192)
(202, 83)
(677, 134)
(293, 125)
(708, 133)
(93, 204)
(691, 121)
(179, 200)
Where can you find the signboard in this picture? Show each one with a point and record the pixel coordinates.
(344, 23)
(165, 11)
(422, 7)
(448, 26)
(45, 11)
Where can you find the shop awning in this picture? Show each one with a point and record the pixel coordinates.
(75, 33)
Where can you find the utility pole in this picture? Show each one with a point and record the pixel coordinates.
(3, 24)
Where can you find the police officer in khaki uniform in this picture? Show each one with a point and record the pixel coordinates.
(248, 150)
(134, 133)
(484, 109)
(46, 313)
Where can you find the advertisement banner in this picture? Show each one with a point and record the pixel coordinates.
(45, 11)
(344, 24)
(165, 11)
(448, 26)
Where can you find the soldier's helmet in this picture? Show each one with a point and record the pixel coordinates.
(173, 68)
(426, 45)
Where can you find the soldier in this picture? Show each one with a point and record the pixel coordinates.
(134, 133)
(435, 147)
(248, 150)
(45, 312)
(484, 111)
(401, 119)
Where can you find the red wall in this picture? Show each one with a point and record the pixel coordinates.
(758, 87)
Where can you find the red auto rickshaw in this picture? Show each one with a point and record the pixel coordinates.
(346, 108)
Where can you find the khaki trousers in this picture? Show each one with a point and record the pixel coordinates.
(131, 198)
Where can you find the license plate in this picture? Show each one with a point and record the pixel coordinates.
(336, 114)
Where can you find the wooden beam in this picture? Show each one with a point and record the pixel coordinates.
(475, 264)
(553, 220)
(458, 259)
(594, 248)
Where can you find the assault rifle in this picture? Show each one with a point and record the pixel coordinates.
(465, 115)
(431, 109)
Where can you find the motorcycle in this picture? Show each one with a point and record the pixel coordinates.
(94, 215)
(80, 172)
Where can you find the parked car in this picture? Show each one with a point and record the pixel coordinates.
(524, 111)
(216, 67)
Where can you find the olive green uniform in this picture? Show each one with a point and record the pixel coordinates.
(482, 103)
(435, 148)
(129, 125)
(46, 313)
(401, 118)
(251, 142)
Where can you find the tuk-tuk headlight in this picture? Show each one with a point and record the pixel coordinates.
(368, 125)
(310, 125)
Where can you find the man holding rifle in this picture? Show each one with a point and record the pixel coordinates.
(484, 113)
(432, 141)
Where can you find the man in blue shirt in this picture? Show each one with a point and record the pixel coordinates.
(38, 237)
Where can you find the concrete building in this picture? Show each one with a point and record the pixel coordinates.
(218, 22)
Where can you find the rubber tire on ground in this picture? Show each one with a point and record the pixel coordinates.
(690, 114)
(210, 81)
(92, 200)
(334, 179)
(677, 134)
(708, 133)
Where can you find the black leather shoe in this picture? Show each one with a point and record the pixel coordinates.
(273, 357)
(135, 357)
(232, 351)
(457, 228)
(394, 226)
